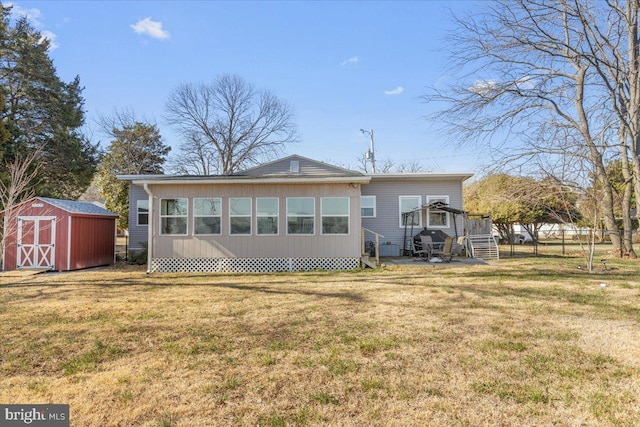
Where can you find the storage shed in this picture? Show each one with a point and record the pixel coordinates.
(53, 234)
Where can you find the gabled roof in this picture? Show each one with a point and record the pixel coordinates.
(279, 171)
(305, 167)
(76, 207)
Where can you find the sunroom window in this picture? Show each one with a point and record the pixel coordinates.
(335, 215)
(173, 216)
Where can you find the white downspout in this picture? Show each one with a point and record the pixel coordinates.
(150, 227)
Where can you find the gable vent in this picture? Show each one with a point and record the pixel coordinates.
(294, 166)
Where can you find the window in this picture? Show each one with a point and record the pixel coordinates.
(436, 218)
(408, 204)
(240, 215)
(267, 215)
(335, 215)
(207, 216)
(368, 206)
(301, 212)
(143, 212)
(173, 216)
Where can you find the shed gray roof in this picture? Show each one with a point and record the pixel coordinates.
(72, 206)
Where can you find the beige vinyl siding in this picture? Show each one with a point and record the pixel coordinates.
(387, 194)
(258, 246)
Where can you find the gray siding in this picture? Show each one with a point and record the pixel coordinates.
(257, 246)
(307, 167)
(387, 221)
(138, 234)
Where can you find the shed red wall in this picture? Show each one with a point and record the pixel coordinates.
(92, 241)
(90, 238)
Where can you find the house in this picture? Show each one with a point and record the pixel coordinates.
(291, 214)
(53, 234)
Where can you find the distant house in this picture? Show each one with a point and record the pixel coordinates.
(53, 234)
(290, 214)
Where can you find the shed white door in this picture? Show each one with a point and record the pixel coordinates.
(36, 242)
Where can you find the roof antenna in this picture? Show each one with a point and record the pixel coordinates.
(370, 154)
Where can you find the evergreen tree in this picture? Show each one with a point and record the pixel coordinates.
(40, 112)
(136, 149)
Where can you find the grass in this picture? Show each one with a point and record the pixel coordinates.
(524, 341)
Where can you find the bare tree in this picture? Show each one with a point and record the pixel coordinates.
(19, 187)
(228, 125)
(531, 84)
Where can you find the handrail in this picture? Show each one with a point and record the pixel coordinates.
(377, 236)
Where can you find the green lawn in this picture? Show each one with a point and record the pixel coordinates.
(524, 341)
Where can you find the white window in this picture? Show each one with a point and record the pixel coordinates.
(240, 215)
(301, 212)
(142, 209)
(173, 216)
(207, 215)
(267, 215)
(410, 204)
(368, 206)
(436, 218)
(335, 215)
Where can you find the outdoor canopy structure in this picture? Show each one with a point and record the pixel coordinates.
(438, 206)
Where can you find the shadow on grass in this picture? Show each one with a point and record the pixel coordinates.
(60, 288)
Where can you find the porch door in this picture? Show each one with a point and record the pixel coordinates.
(36, 242)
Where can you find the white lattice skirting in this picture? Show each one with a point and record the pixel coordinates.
(250, 265)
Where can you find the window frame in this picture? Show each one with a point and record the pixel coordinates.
(323, 216)
(196, 215)
(368, 207)
(312, 216)
(431, 199)
(138, 212)
(250, 216)
(277, 216)
(166, 216)
(400, 212)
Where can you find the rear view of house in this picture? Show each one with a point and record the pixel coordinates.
(52, 234)
(290, 214)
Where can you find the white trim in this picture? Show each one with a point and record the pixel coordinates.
(150, 228)
(138, 213)
(313, 233)
(206, 216)
(400, 212)
(277, 215)
(348, 216)
(69, 242)
(431, 199)
(36, 248)
(375, 206)
(169, 179)
(185, 216)
(250, 216)
(4, 246)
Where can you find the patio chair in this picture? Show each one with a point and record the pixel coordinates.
(427, 243)
(446, 253)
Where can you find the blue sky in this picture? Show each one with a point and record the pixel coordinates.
(342, 66)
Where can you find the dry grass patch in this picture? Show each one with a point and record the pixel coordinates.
(523, 342)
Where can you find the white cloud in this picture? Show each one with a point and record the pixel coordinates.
(33, 15)
(353, 60)
(483, 87)
(396, 91)
(150, 28)
(51, 36)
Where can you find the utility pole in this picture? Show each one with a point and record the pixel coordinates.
(370, 154)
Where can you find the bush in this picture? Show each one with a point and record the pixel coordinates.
(138, 257)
